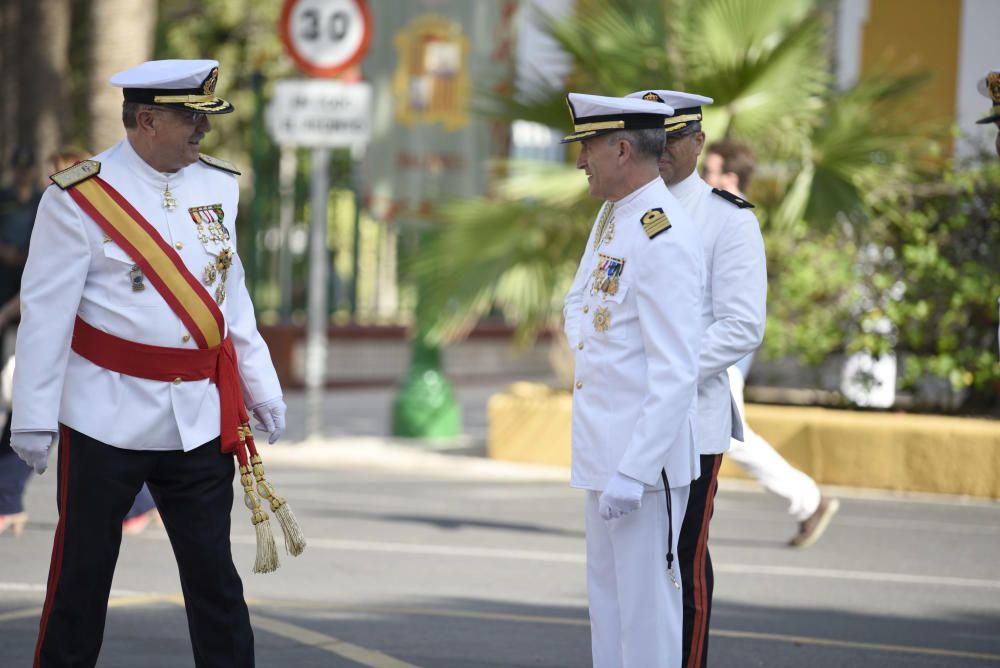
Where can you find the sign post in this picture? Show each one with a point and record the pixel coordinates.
(324, 38)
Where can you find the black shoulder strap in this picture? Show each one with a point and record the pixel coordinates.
(732, 199)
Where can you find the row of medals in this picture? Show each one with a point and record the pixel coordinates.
(218, 267)
(604, 281)
(208, 233)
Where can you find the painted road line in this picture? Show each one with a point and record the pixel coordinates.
(865, 576)
(462, 551)
(736, 635)
(850, 644)
(882, 523)
(121, 602)
(376, 659)
(37, 588)
(356, 653)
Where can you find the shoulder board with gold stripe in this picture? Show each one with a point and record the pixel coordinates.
(655, 222)
(78, 173)
(224, 165)
(733, 199)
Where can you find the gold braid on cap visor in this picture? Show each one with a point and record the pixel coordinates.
(182, 99)
(601, 125)
(674, 123)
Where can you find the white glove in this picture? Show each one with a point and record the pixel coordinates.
(621, 496)
(271, 418)
(33, 448)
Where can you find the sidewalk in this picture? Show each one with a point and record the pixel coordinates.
(355, 433)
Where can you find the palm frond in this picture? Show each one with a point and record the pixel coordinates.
(514, 253)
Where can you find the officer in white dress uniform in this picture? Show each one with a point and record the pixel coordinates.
(732, 319)
(119, 431)
(632, 317)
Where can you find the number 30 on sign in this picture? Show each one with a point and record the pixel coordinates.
(325, 37)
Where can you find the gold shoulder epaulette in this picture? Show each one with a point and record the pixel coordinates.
(78, 173)
(224, 165)
(733, 199)
(655, 222)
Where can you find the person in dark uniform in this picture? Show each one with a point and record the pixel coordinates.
(18, 204)
(138, 347)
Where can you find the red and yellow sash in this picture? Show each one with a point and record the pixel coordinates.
(186, 297)
(158, 261)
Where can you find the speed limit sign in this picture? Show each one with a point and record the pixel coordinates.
(325, 37)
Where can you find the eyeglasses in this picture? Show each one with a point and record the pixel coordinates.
(188, 117)
(673, 139)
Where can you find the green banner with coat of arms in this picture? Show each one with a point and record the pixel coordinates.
(427, 60)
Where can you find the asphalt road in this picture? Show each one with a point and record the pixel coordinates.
(442, 560)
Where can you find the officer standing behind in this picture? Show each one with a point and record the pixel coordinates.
(632, 320)
(732, 319)
(729, 165)
(138, 344)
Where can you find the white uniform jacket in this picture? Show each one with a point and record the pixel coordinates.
(635, 395)
(733, 311)
(73, 270)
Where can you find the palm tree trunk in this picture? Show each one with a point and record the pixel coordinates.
(35, 35)
(48, 78)
(126, 28)
(10, 13)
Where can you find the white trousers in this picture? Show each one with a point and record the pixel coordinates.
(759, 459)
(636, 612)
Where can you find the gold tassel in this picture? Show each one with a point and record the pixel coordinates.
(267, 551)
(295, 540)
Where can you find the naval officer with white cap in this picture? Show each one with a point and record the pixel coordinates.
(732, 319)
(633, 321)
(138, 346)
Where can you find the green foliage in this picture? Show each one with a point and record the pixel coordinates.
(518, 256)
(810, 293)
(243, 36)
(936, 277)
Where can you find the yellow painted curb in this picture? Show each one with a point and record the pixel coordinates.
(895, 451)
(530, 423)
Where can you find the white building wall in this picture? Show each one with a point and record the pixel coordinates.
(851, 18)
(541, 65)
(979, 52)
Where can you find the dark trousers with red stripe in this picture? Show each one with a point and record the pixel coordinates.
(194, 493)
(696, 563)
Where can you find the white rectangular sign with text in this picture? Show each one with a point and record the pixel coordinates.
(320, 114)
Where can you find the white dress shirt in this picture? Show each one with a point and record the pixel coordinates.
(73, 270)
(734, 307)
(635, 395)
